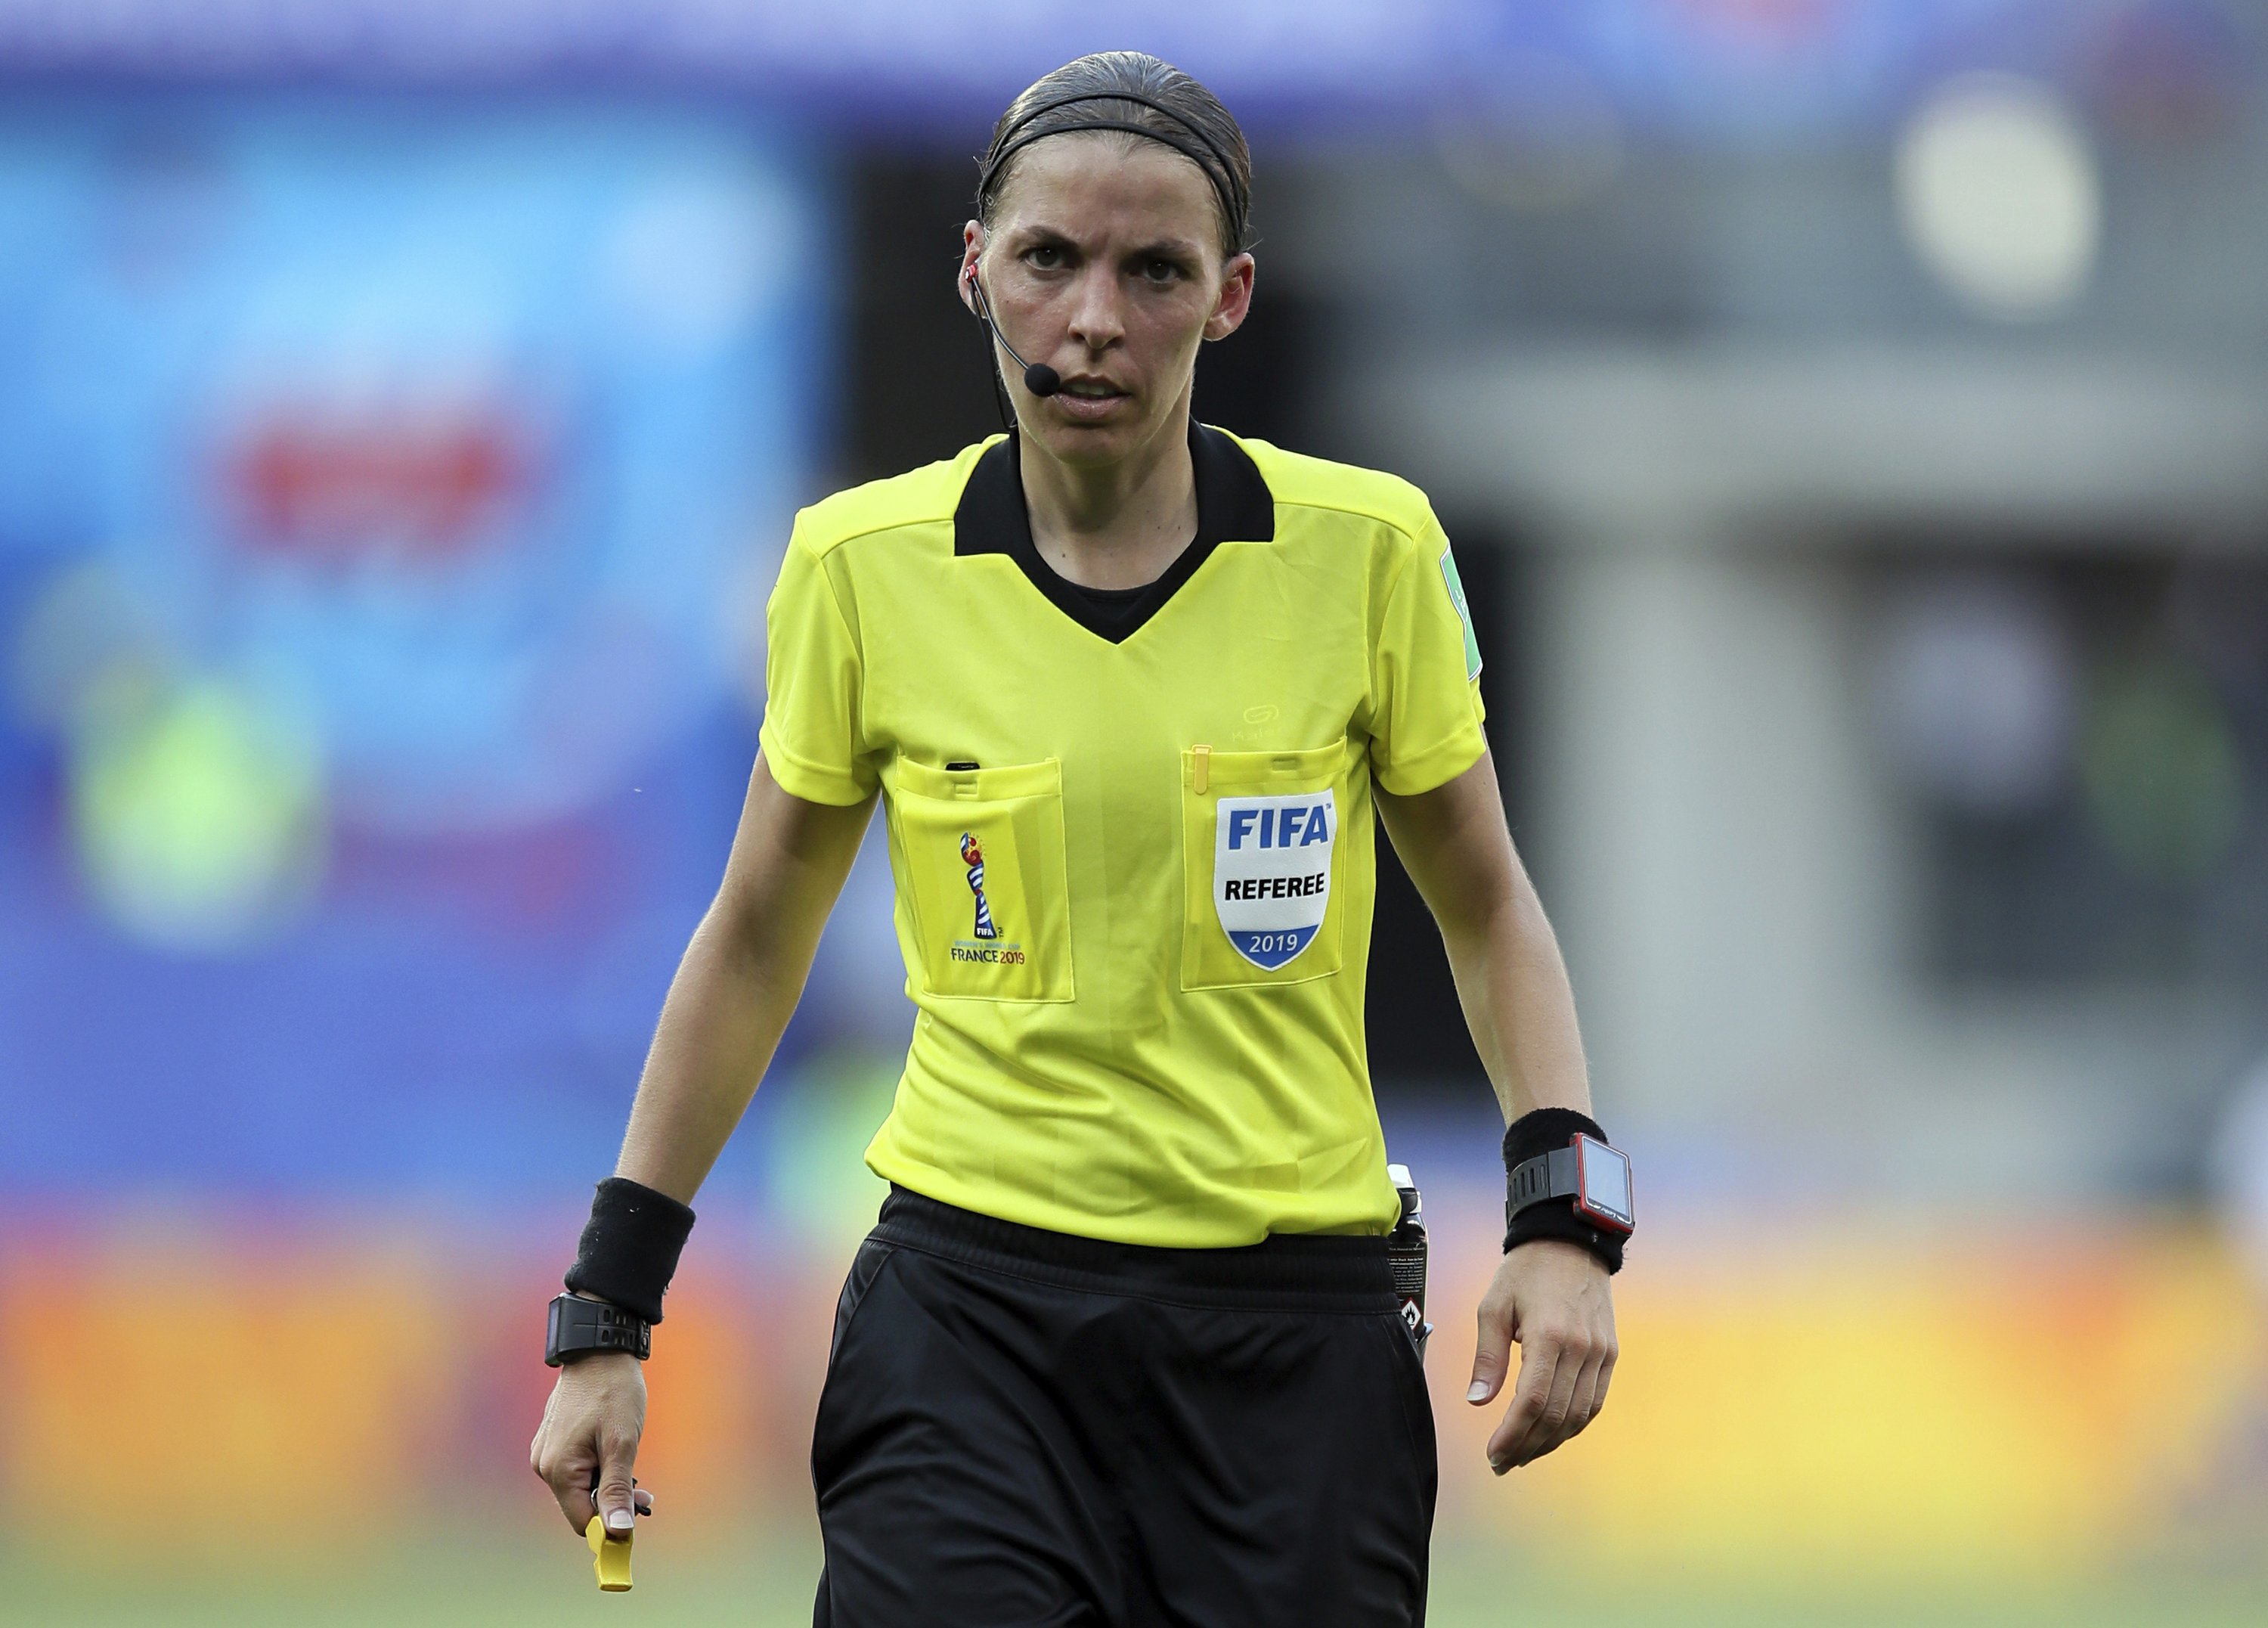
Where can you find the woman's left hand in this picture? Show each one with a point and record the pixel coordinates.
(1552, 1298)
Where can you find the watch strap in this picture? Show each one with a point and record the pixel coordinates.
(1555, 1175)
(578, 1327)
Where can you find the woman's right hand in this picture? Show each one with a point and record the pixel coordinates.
(593, 1423)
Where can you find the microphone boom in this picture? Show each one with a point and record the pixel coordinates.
(1040, 380)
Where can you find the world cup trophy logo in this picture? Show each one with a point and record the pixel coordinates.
(973, 856)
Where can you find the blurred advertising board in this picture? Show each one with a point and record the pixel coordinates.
(1865, 1412)
(387, 497)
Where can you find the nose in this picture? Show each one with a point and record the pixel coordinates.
(1095, 318)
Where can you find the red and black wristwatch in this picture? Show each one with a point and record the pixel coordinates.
(1564, 1181)
(1597, 1177)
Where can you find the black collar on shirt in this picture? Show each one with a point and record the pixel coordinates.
(1233, 505)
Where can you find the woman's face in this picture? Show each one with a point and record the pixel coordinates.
(1104, 261)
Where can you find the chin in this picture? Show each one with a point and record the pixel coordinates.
(1088, 445)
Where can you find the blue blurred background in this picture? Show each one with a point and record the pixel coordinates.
(1851, 415)
(385, 492)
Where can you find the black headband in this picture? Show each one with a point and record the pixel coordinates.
(1233, 202)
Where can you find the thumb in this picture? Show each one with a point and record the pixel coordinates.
(614, 1498)
(1492, 1356)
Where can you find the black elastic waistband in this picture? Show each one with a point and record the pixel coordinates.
(1287, 1272)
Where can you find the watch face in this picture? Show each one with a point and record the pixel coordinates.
(1603, 1183)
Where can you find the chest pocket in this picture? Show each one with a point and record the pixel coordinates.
(1261, 861)
(980, 863)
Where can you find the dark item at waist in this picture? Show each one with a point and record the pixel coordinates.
(1284, 1273)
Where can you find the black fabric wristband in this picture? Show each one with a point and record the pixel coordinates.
(1531, 1135)
(630, 1247)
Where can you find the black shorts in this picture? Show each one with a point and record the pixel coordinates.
(1022, 1429)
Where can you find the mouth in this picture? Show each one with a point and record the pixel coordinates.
(1085, 396)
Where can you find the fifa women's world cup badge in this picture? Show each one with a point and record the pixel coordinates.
(973, 856)
(985, 947)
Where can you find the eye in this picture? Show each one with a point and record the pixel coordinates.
(1044, 257)
(1156, 269)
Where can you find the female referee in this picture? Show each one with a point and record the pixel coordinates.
(1120, 1349)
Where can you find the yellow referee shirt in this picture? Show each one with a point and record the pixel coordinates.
(1133, 842)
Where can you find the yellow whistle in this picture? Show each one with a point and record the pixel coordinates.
(610, 1556)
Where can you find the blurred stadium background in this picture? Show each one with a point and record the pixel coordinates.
(1853, 416)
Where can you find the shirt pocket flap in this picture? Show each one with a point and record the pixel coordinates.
(1044, 778)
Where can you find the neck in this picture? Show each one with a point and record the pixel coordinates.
(1118, 525)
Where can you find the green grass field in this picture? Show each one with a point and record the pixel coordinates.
(522, 1581)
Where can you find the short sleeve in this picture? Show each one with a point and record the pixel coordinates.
(1426, 669)
(813, 677)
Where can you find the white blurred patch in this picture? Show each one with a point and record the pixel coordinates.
(690, 264)
(1998, 195)
(1976, 694)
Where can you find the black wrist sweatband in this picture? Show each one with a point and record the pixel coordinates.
(630, 1247)
(1531, 1135)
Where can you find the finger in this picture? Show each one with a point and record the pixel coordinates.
(1550, 1425)
(535, 1447)
(614, 1499)
(1491, 1357)
(1605, 1376)
(1539, 1362)
(1600, 1380)
(1569, 1392)
(569, 1479)
(1582, 1405)
(641, 1500)
(1590, 1396)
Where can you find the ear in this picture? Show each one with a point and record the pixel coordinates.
(972, 250)
(1235, 301)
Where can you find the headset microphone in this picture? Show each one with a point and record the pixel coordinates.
(1040, 380)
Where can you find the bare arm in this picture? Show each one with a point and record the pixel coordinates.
(1510, 981)
(735, 988)
(1551, 1297)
